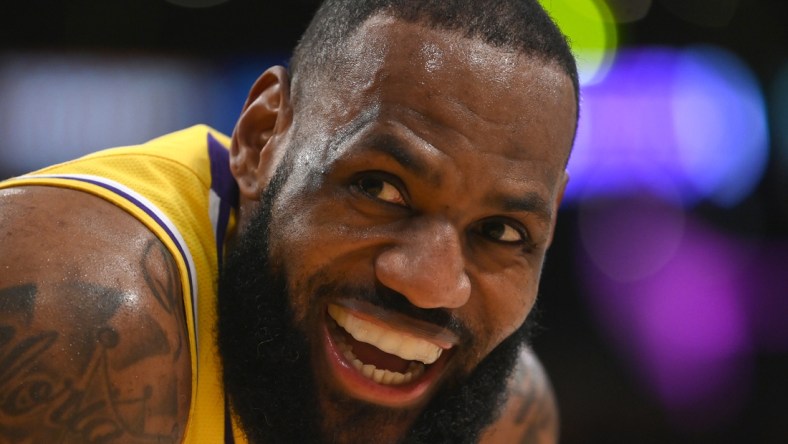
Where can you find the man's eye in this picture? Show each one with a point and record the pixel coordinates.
(380, 189)
(501, 232)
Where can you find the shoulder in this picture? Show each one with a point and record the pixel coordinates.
(91, 323)
(530, 414)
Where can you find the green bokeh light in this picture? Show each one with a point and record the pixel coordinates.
(591, 30)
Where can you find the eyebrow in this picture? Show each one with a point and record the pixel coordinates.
(531, 202)
(388, 144)
(399, 151)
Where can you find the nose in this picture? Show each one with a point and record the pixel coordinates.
(427, 266)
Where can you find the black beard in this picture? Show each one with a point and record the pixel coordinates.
(266, 372)
(267, 368)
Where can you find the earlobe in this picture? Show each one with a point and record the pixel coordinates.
(257, 142)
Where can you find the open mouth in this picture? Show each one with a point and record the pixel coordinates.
(390, 358)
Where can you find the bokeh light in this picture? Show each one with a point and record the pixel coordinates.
(591, 30)
(683, 324)
(719, 119)
(628, 11)
(608, 240)
(57, 107)
(689, 123)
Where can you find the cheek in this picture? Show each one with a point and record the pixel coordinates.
(501, 305)
(310, 238)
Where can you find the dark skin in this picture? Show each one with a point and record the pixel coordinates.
(152, 371)
(51, 252)
(92, 335)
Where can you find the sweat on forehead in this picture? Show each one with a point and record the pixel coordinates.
(387, 60)
(415, 48)
(387, 50)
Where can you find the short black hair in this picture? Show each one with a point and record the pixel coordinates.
(521, 25)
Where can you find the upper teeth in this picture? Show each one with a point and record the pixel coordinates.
(390, 341)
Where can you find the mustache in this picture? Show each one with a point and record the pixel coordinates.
(391, 301)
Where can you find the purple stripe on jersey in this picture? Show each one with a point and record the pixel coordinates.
(224, 185)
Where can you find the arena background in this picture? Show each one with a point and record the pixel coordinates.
(664, 303)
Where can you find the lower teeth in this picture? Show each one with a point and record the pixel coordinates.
(382, 376)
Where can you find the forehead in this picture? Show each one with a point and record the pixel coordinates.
(451, 89)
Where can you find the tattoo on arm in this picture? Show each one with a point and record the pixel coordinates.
(164, 289)
(59, 380)
(537, 410)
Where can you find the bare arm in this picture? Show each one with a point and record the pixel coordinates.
(93, 345)
(530, 415)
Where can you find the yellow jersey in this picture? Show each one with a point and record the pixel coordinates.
(180, 187)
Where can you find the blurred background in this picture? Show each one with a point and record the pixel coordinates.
(664, 303)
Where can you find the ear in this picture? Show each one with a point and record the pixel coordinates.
(258, 140)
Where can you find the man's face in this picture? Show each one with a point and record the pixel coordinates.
(411, 228)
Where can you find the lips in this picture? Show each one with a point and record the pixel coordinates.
(381, 353)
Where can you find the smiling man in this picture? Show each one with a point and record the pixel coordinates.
(380, 217)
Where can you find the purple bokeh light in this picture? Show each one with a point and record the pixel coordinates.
(720, 125)
(682, 321)
(688, 123)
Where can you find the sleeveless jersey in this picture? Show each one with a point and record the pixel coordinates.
(180, 187)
